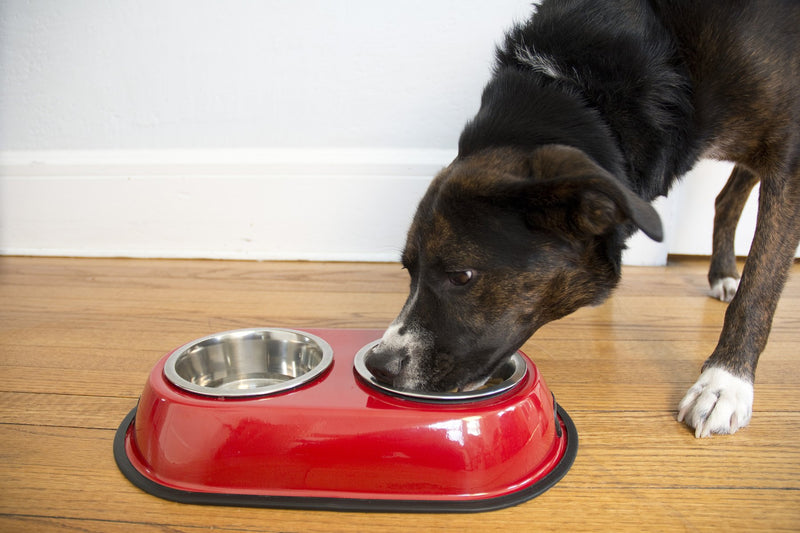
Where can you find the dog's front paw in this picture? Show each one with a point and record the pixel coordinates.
(724, 289)
(718, 403)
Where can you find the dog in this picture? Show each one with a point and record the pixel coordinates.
(593, 110)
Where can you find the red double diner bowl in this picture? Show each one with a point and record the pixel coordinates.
(292, 419)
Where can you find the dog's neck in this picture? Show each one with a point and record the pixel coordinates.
(517, 111)
(633, 115)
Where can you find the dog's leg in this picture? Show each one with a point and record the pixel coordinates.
(723, 276)
(721, 400)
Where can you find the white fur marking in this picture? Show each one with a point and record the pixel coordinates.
(392, 338)
(541, 63)
(718, 402)
(413, 341)
(724, 289)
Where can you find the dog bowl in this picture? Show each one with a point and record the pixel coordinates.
(248, 362)
(291, 419)
(504, 378)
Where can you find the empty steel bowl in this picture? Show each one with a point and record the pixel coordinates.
(248, 362)
(504, 378)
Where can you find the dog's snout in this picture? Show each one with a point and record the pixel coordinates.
(385, 364)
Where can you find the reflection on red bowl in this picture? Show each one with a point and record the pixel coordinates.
(337, 442)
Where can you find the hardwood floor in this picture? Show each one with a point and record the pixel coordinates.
(78, 338)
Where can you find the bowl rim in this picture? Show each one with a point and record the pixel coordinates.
(180, 382)
(491, 391)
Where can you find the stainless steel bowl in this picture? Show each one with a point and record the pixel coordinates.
(248, 362)
(508, 375)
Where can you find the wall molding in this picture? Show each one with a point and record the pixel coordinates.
(261, 204)
(271, 204)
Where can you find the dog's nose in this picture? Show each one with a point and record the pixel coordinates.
(385, 364)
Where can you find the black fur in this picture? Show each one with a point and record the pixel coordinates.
(624, 98)
(594, 109)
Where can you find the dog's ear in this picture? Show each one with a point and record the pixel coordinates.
(591, 200)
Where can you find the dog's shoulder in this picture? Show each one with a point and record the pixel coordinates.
(618, 60)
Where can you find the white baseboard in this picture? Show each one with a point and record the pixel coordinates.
(235, 204)
(265, 204)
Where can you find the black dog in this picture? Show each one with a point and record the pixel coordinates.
(594, 109)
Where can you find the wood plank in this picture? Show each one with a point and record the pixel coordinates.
(711, 510)
(79, 336)
(40, 524)
(640, 456)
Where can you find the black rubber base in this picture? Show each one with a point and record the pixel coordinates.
(347, 504)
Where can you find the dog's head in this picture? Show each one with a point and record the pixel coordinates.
(502, 242)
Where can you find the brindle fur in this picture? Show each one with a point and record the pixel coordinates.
(594, 110)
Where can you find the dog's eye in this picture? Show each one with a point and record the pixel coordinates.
(460, 278)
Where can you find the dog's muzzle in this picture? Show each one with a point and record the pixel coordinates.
(386, 364)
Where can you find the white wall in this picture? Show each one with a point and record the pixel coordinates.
(274, 129)
(164, 74)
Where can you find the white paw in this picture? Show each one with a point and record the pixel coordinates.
(718, 403)
(724, 289)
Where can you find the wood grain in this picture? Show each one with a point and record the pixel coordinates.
(79, 336)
